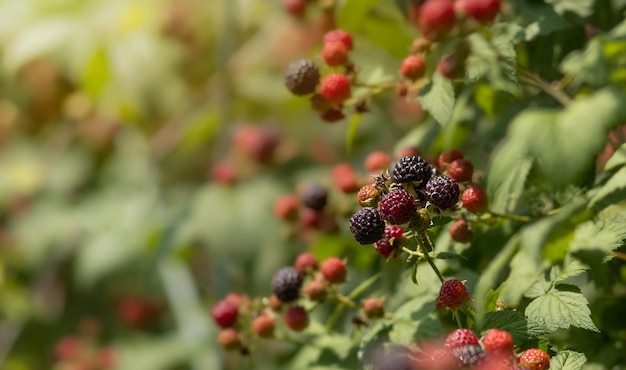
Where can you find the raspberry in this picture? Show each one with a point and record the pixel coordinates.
(373, 307)
(335, 88)
(468, 355)
(224, 173)
(413, 67)
(461, 170)
(296, 318)
(446, 158)
(286, 207)
(460, 232)
(316, 289)
(368, 195)
(225, 313)
(436, 19)
(498, 341)
(295, 7)
(315, 197)
(484, 11)
(229, 339)
(302, 77)
(332, 115)
(461, 338)
(310, 218)
(367, 225)
(449, 67)
(452, 294)
(377, 161)
(286, 284)
(397, 207)
(345, 178)
(409, 169)
(535, 359)
(340, 36)
(263, 326)
(306, 262)
(335, 53)
(474, 199)
(387, 244)
(442, 191)
(392, 231)
(334, 270)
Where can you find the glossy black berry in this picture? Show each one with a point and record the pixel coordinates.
(286, 284)
(315, 197)
(442, 191)
(411, 169)
(367, 225)
(302, 77)
(468, 356)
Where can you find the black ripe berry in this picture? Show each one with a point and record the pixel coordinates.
(442, 191)
(302, 77)
(286, 284)
(315, 197)
(411, 169)
(367, 225)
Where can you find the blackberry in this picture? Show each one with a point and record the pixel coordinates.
(286, 284)
(367, 225)
(302, 77)
(397, 207)
(315, 197)
(442, 191)
(468, 355)
(409, 169)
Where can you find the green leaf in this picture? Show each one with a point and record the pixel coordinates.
(582, 8)
(560, 310)
(494, 61)
(568, 360)
(603, 236)
(352, 129)
(511, 321)
(537, 19)
(386, 30)
(617, 160)
(352, 13)
(450, 255)
(610, 193)
(571, 270)
(438, 98)
(505, 181)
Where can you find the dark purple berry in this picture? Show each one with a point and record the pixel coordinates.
(315, 197)
(397, 207)
(411, 169)
(442, 191)
(367, 225)
(302, 77)
(286, 284)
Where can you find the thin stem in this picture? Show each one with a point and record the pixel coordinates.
(412, 252)
(426, 248)
(511, 217)
(534, 80)
(346, 301)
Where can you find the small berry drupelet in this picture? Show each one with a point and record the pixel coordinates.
(225, 313)
(315, 197)
(452, 294)
(263, 326)
(296, 318)
(461, 338)
(461, 170)
(334, 270)
(498, 341)
(413, 67)
(335, 88)
(436, 19)
(468, 356)
(535, 359)
(302, 77)
(442, 191)
(460, 232)
(306, 263)
(335, 54)
(411, 169)
(367, 225)
(286, 284)
(340, 36)
(474, 199)
(397, 206)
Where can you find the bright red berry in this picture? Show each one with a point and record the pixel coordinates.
(436, 19)
(461, 170)
(461, 338)
(296, 318)
(263, 326)
(345, 178)
(295, 7)
(377, 161)
(460, 232)
(447, 157)
(413, 67)
(387, 245)
(474, 199)
(286, 207)
(306, 262)
(340, 36)
(229, 339)
(373, 307)
(498, 341)
(225, 313)
(335, 53)
(335, 88)
(452, 294)
(397, 206)
(334, 270)
(481, 10)
(535, 359)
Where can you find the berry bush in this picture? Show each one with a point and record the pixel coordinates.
(313, 184)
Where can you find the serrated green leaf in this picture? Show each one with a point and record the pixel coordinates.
(494, 61)
(603, 236)
(438, 98)
(611, 192)
(568, 360)
(617, 160)
(537, 19)
(560, 310)
(513, 322)
(571, 270)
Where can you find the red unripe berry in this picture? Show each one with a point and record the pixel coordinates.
(448, 67)
(296, 318)
(263, 326)
(377, 161)
(68, 348)
(461, 170)
(229, 339)
(306, 262)
(310, 218)
(334, 270)
(368, 196)
(224, 173)
(225, 313)
(460, 232)
(373, 307)
(138, 312)
(397, 206)
(332, 115)
(535, 359)
(345, 178)
(413, 67)
(474, 199)
(452, 294)
(274, 303)
(107, 358)
(447, 157)
(295, 7)
(436, 19)
(286, 207)
(316, 289)
(484, 11)
(498, 341)
(340, 36)
(335, 53)
(335, 88)
(409, 152)
(461, 338)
